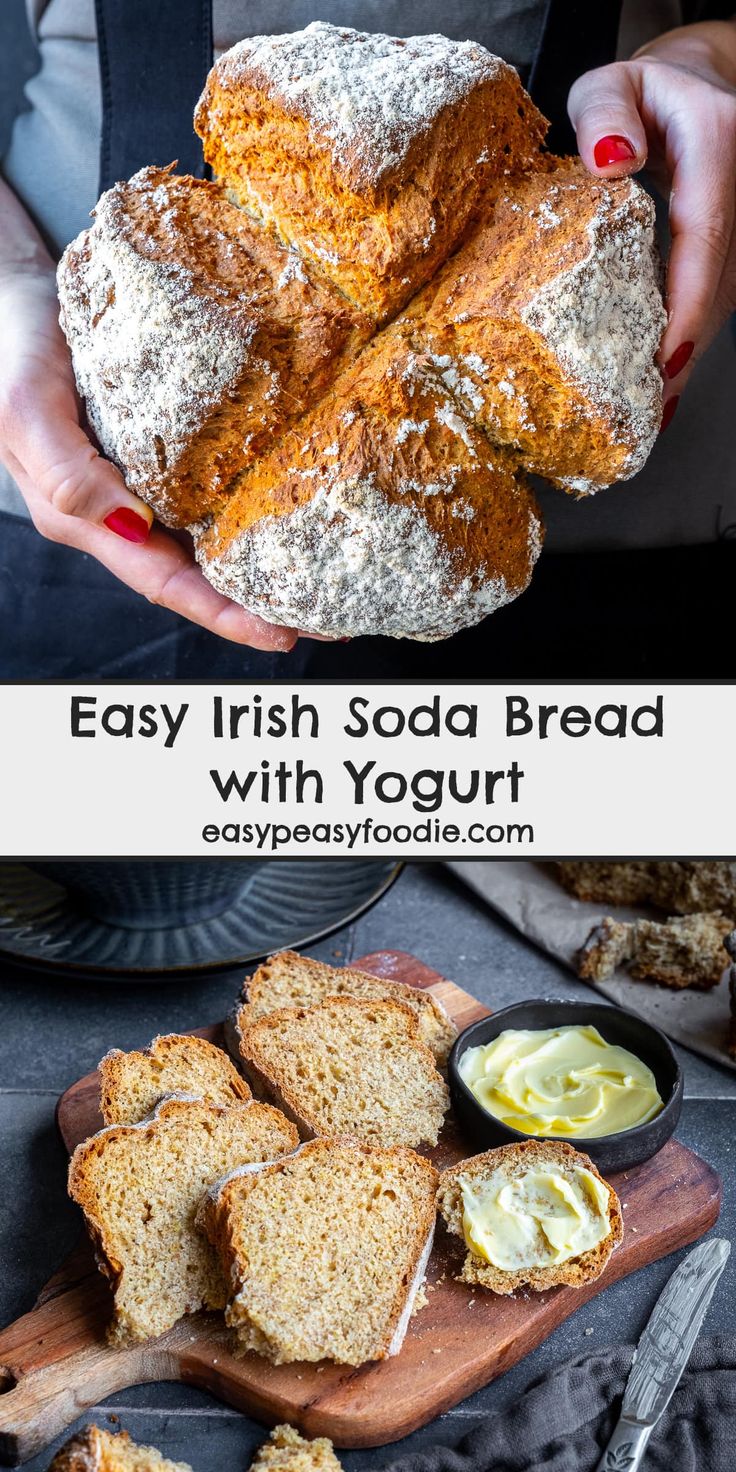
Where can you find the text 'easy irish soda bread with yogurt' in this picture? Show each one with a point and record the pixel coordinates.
(219, 332)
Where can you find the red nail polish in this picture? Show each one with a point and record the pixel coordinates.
(668, 412)
(680, 357)
(128, 524)
(613, 149)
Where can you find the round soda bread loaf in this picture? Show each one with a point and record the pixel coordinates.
(220, 332)
(512, 1161)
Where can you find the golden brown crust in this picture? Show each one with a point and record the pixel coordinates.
(209, 356)
(390, 464)
(235, 311)
(577, 1270)
(381, 213)
(541, 236)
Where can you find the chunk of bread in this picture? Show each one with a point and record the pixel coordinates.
(325, 1250)
(290, 980)
(524, 318)
(514, 1160)
(677, 886)
(132, 1084)
(139, 1187)
(350, 1067)
(684, 951)
(195, 337)
(96, 1450)
(287, 1451)
(370, 153)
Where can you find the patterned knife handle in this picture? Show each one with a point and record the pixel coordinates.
(626, 1448)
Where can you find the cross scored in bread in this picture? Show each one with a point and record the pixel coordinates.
(335, 363)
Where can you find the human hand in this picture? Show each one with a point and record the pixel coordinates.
(673, 108)
(73, 494)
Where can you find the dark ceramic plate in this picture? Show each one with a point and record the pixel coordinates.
(279, 903)
(610, 1152)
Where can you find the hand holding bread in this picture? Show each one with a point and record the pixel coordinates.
(344, 469)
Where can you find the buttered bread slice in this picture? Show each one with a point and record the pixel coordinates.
(349, 1067)
(132, 1084)
(531, 1215)
(290, 980)
(325, 1250)
(139, 1187)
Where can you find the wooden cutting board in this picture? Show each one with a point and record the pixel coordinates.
(54, 1362)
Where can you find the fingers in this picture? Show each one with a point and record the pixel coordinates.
(702, 209)
(68, 473)
(604, 111)
(163, 571)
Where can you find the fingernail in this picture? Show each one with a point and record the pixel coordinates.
(128, 524)
(680, 357)
(668, 412)
(613, 149)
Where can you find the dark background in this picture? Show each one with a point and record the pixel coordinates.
(18, 61)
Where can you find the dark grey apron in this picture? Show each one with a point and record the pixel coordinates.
(608, 615)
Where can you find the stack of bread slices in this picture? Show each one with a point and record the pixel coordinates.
(307, 1213)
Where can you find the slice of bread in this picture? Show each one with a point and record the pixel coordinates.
(684, 951)
(139, 1187)
(287, 1451)
(132, 1084)
(349, 1067)
(290, 980)
(325, 1250)
(95, 1450)
(513, 1161)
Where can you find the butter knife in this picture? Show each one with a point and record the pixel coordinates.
(663, 1352)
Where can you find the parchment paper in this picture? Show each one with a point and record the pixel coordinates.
(532, 899)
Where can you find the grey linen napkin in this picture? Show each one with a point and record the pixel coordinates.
(563, 1422)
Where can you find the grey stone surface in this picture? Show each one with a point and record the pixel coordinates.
(51, 1032)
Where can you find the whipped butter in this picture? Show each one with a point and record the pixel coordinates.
(561, 1081)
(537, 1219)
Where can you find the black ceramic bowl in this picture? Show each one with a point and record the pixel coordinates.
(623, 1029)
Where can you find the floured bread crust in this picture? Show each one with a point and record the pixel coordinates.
(370, 153)
(546, 325)
(195, 337)
(335, 484)
(386, 508)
